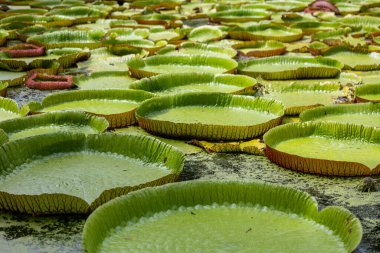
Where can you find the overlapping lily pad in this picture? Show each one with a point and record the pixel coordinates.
(367, 114)
(160, 64)
(239, 15)
(104, 80)
(235, 213)
(65, 172)
(166, 84)
(53, 122)
(354, 60)
(266, 32)
(368, 93)
(260, 48)
(9, 109)
(212, 116)
(326, 148)
(297, 97)
(117, 106)
(290, 67)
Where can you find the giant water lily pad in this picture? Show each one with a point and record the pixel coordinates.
(239, 15)
(104, 80)
(166, 84)
(220, 216)
(326, 148)
(266, 32)
(367, 114)
(75, 173)
(297, 97)
(9, 109)
(260, 48)
(191, 48)
(213, 116)
(206, 33)
(53, 122)
(290, 67)
(368, 93)
(68, 38)
(354, 60)
(161, 64)
(117, 106)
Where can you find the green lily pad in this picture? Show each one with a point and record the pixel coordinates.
(166, 84)
(354, 60)
(368, 93)
(220, 216)
(64, 172)
(297, 97)
(68, 38)
(290, 67)
(161, 64)
(266, 31)
(191, 48)
(117, 106)
(206, 33)
(326, 148)
(53, 122)
(104, 80)
(9, 109)
(240, 15)
(367, 114)
(212, 116)
(260, 48)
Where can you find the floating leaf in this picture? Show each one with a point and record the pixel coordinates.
(230, 211)
(209, 116)
(326, 148)
(64, 172)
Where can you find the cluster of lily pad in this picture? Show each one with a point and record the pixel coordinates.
(223, 74)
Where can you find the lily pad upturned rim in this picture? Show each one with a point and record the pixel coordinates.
(83, 78)
(366, 89)
(241, 33)
(136, 64)
(328, 68)
(251, 15)
(315, 113)
(12, 106)
(166, 81)
(17, 152)
(277, 48)
(207, 131)
(152, 200)
(315, 165)
(54, 118)
(115, 120)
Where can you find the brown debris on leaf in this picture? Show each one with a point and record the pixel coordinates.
(321, 6)
(253, 147)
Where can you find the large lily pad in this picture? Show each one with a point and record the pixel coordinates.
(53, 122)
(161, 64)
(290, 67)
(367, 114)
(212, 116)
(326, 148)
(65, 172)
(68, 38)
(368, 93)
(191, 48)
(239, 15)
(104, 80)
(9, 109)
(220, 216)
(266, 32)
(166, 84)
(297, 97)
(260, 48)
(354, 60)
(117, 106)
(206, 33)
